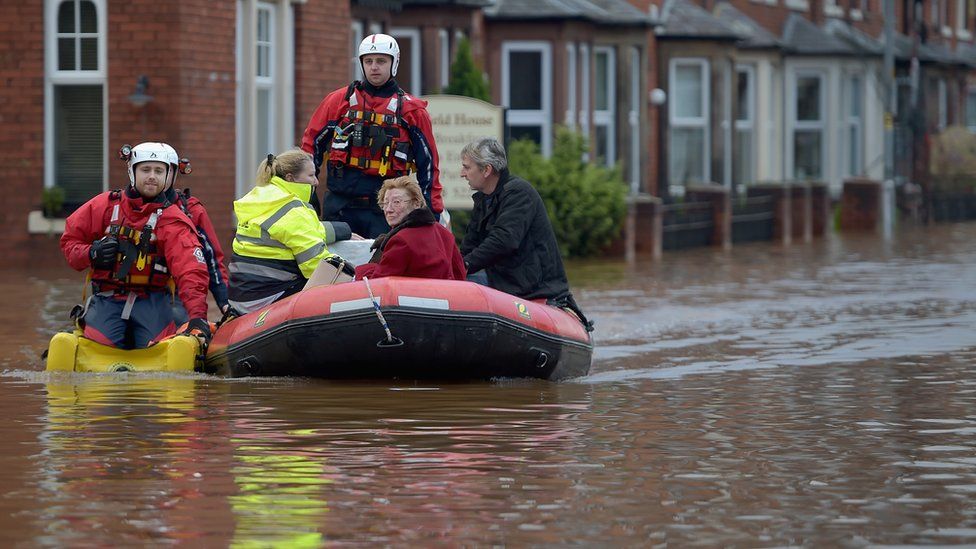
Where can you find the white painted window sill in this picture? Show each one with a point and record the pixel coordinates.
(857, 15)
(798, 5)
(964, 34)
(833, 10)
(38, 224)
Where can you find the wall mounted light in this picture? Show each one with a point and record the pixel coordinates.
(139, 98)
(658, 97)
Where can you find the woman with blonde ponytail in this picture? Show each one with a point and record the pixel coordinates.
(280, 240)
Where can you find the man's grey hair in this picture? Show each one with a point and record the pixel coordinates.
(486, 151)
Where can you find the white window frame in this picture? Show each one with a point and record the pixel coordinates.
(962, 19)
(282, 79)
(607, 118)
(412, 34)
(570, 117)
(55, 77)
(674, 121)
(855, 123)
(534, 117)
(266, 83)
(444, 50)
(748, 124)
(807, 125)
(356, 68)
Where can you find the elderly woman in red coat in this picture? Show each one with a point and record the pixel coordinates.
(416, 245)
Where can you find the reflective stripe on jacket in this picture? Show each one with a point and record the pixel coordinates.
(275, 221)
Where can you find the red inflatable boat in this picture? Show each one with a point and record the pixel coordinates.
(437, 329)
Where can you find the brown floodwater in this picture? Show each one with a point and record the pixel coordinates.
(819, 395)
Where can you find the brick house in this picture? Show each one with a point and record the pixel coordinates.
(223, 82)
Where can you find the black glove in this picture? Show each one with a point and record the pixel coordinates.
(198, 327)
(103, 252)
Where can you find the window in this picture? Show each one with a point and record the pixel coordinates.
(604, 104)
(527, 91)
(408, 73)
(962, 19)
(971, 110)
(743, 147)
(808, 126)
(265, 77)
(356, 36)
(263, 80)
(571, 83)
(74, 104)
(688, 150)
(855, 121)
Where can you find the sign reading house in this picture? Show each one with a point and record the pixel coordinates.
(458, 121)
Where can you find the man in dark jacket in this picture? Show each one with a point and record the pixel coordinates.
(509, 235)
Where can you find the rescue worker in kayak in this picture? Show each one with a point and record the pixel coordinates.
(279, 241)
(136, 243)
(367, 132)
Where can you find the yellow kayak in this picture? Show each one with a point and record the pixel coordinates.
(71, 352)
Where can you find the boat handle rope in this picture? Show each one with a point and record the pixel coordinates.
(391, 340)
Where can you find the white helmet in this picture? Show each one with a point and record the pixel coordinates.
(381, 43)
(154, 152)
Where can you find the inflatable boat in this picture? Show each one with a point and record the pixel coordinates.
(403, 328)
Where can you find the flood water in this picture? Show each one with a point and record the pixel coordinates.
(818, 395)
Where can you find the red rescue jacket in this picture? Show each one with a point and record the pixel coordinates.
(344, 135)
(174, 246)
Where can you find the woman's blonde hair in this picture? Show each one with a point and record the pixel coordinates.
(288, 162)
(408, 184)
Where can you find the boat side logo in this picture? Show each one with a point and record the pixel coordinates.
(523, 311)
(260, 321)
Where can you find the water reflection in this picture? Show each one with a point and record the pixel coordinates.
(817, 395)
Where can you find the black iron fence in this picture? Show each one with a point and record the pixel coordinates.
(687, 225)
(753, 218)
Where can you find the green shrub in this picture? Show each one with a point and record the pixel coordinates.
(466, 78)
(52, 201)
(586, 202)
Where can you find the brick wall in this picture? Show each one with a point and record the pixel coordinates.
(21, 123)
(322, 49)
(187, 50)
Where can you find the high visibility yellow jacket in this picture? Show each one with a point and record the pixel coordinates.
(275, 221)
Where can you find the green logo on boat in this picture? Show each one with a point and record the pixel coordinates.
(522, 310)
(260, 321)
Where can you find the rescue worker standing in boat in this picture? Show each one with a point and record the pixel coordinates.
(136, 243)
(367, 132)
